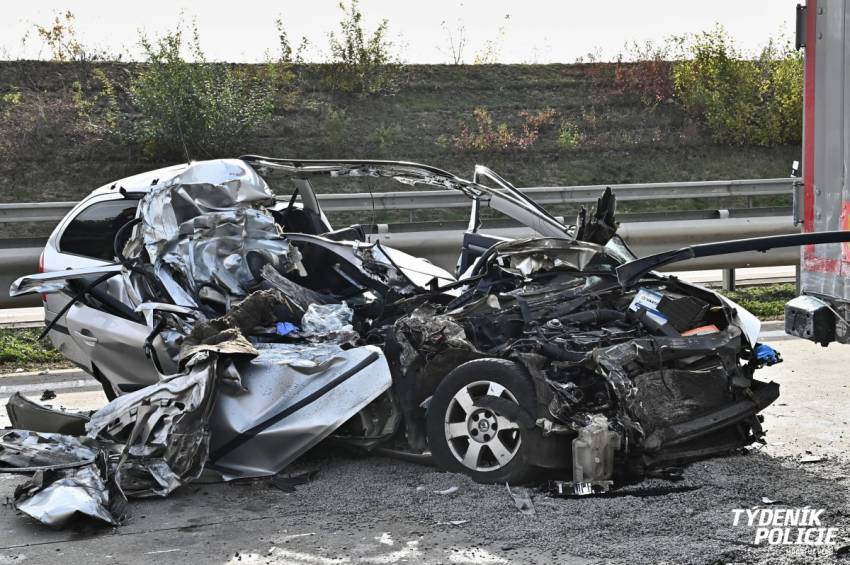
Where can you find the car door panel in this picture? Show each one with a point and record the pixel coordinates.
(60, 336)
(115, 346)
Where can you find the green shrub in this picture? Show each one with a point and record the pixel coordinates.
(210, 106)
(174, 106)
(13, 97)
(101, 110)
(10, 99)
(742, 101)
(569, 135)
(360, 63)
(288, 55)
(335, 129)
(386, 137)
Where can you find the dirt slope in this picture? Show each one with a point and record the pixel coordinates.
(47, 152)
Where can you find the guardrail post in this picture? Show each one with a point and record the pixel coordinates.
(728, 279)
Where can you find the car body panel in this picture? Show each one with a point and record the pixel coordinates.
(302, 403)
(115, 347)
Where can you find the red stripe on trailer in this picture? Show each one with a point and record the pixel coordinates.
(821, 264)
(809, 122)
(809, 118)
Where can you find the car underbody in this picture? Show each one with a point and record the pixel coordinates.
(561, 352)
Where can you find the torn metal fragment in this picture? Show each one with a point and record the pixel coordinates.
(163, 430)
(55, 497)
(25, 414)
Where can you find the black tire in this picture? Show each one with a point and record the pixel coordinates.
(445, 412)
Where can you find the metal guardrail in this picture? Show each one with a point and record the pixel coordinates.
(429, 199)
(38, 212)
(554, 195)
(647, 233)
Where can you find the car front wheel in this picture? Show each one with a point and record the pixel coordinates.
(480, 436)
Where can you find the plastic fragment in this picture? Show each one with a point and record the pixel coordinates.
(766, 354)
(450, 490)
(285, 328)
(322, 319)
(522, 499)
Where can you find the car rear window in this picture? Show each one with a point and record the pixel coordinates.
(92, 232)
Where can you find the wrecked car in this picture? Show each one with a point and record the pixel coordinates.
(233, 329)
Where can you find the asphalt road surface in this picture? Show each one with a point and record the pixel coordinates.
(380, 510)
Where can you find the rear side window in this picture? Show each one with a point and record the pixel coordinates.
(92, 232)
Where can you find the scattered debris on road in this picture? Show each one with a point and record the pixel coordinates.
(450, 490)
(522, 500)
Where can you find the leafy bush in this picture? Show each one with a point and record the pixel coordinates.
(177, 106)
(386, 136)
(742, 101)
(484, 135)
(287, 53)
(649, 76)
(101, 110)
(210, 106)
(360, 63)
(10, 99)
(335, 128)
(61, 38)
(569, 135)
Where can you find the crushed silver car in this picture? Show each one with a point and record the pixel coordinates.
(233, 330)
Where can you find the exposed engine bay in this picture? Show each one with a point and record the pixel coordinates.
(660, 374)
